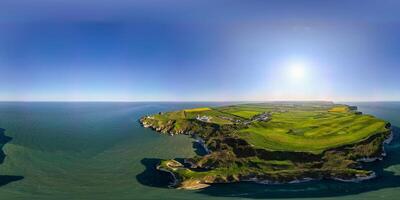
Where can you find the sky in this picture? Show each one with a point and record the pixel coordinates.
(158, 50)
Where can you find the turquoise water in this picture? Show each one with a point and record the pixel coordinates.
(99, 151)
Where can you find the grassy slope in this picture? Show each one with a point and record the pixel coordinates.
(311, 131)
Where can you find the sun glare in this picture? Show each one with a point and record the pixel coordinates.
(297, 71)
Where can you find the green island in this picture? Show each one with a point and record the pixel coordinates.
(274, 143)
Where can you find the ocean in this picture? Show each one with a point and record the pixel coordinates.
(88, 150)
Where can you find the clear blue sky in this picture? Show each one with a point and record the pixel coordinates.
(114, 50)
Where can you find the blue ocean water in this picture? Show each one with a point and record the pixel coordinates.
(99, 151)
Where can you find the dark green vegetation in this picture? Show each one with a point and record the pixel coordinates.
(274, 142)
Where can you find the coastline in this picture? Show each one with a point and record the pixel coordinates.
(177, 183)
(343, 176)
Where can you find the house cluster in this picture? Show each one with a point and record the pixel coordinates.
(203, 118)
(261, 117)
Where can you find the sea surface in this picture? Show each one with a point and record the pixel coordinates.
(100, 151)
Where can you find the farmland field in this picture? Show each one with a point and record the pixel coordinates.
(298, 129)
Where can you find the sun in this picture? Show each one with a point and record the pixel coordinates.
(297, 71)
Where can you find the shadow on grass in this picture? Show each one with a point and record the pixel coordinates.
(5, 179)
(324, 188)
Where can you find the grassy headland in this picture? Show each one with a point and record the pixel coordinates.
(274, 142)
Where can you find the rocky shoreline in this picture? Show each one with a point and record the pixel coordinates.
(388, 140)
(357, 179)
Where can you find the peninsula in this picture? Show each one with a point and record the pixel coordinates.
(274, 143)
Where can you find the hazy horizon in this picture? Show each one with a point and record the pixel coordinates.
(199, 50)
(194, 101)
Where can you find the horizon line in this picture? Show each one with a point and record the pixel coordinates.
(183, 101)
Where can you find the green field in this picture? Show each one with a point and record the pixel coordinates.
(311, 131)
